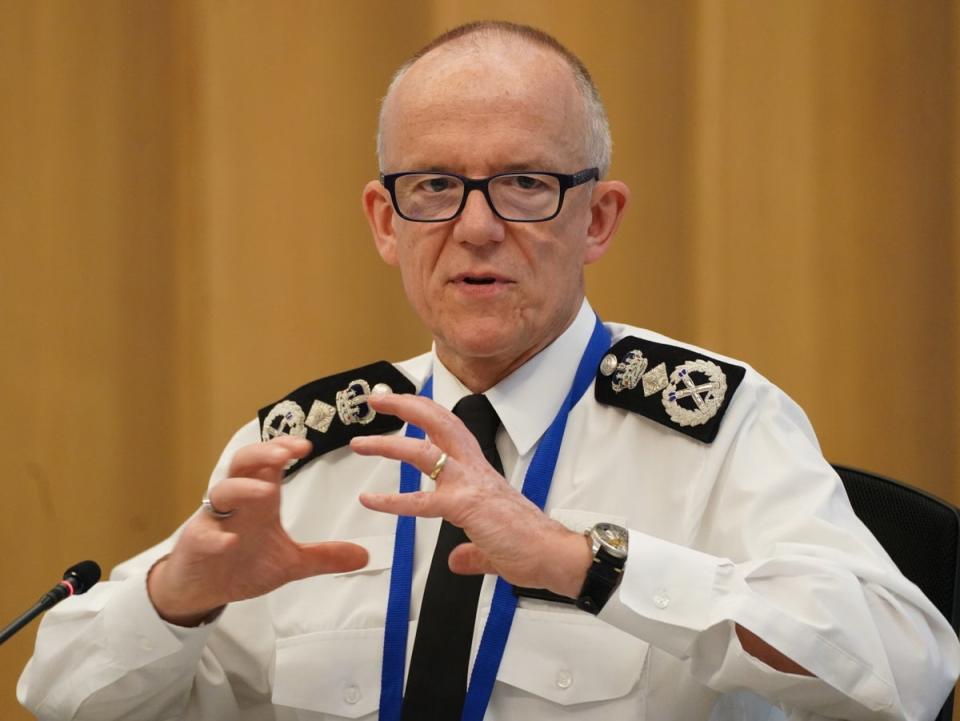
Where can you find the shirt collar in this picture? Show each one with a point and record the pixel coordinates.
(528, 399)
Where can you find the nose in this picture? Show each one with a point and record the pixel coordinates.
(477, 224)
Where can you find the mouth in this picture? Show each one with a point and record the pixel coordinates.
(481, 284)
(481, 278)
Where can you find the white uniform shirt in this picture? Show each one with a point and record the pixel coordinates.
(754, 529)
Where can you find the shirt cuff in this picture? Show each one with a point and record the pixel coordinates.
(668, 593)
(136, 634)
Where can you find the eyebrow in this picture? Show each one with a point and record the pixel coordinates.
(511, 168)
(519, 167)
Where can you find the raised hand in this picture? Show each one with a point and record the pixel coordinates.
(509, 535)
(219, 560)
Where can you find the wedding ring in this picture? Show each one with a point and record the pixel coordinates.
(441, 462)
(208, 506)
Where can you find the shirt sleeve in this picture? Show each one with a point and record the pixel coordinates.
(780, 552)
(108, 655)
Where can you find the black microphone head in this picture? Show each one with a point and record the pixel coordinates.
(82, 576)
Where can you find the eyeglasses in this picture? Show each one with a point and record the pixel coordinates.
(526, 197)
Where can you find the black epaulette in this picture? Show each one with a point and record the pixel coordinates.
(680, 388)
(330, 411)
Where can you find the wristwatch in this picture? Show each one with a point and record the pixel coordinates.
(609, 556)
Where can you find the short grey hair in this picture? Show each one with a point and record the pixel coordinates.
(599, 144)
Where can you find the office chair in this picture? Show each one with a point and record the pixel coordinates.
(920, 532)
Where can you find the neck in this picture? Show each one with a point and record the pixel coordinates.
(480, 374)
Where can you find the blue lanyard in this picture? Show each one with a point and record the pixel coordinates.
(536, 485)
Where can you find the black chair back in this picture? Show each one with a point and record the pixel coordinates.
(920, 532)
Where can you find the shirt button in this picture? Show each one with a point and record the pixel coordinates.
(564, 678)
(145, 643)
(661, 600)
(351, 694)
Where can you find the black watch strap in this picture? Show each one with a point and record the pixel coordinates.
(602, 580)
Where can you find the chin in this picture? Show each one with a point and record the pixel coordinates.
(485, 340)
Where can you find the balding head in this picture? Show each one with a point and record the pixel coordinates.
(518, 52)
(492, 105)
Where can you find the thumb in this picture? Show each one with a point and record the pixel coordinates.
(467, 559)
(329, 557)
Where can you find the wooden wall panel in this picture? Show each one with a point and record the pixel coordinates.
(752, 183)
(87, 269)
(823, 187)
(296, 289)
(954, 160)
(887, 315)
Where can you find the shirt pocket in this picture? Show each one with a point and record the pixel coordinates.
(354, 599)
(552, 660)
(567, 658)
(323, 673)
(329, 674)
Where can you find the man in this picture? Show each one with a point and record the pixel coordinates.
(744, 566)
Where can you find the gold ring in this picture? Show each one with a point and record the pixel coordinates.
(441, 462)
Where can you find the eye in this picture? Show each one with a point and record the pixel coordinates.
(437, 184)
(527, 182)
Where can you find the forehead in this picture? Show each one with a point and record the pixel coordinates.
(482, 109)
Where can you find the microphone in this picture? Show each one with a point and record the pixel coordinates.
(76, 579)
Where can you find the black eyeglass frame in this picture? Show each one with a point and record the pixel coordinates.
(566, 180)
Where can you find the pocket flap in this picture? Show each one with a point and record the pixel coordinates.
(570, 657)
(334, 672)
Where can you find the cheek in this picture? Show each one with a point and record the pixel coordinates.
(561, 257)
(411, 277)
(417, 261)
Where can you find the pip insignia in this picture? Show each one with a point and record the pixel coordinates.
(320, 417)
(338, 409)
(655, 380)
(691, 398)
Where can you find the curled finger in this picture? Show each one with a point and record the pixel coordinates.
(468, 560)
(241, 494)
(440, 424)
(266, 461)
(219, 514)
(422, 455)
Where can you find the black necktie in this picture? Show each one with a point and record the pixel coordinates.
(437, 683)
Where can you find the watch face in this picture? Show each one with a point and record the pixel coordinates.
(614, 538)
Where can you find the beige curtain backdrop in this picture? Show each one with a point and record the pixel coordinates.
(181, 238)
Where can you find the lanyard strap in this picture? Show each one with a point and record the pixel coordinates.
(536, 486)
(398, 600)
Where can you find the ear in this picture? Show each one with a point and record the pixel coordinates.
(607, 205)
(380, 215)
